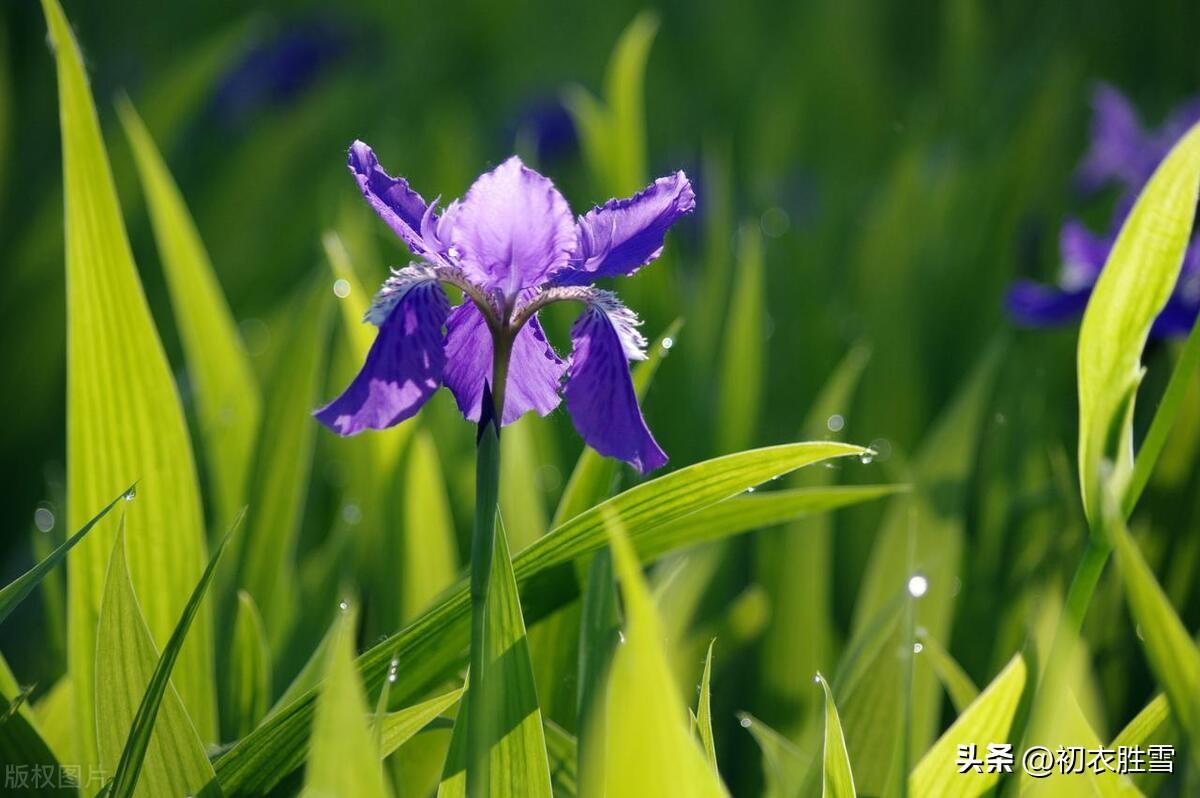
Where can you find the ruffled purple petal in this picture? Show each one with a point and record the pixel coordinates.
(403, 368)
(510, 230)
(397, 204)
(1118, 146)
(599, 388)
(1033, 304)
(534, 371)
(621, 236)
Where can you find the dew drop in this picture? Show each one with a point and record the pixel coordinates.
(817, 679)
(620, 636)
(341, 288)
(343, 605)
(1138, 630)
(43, 518)
(750, 489)
(866, 458)
(918, 585)
(835, 422)
(745, 722)
(393, 670)
(918, 648)
(668, 342)
(130, 494)
(351, 513)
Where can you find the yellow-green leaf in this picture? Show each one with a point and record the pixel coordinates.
(343, 761)
(175, 761)
(742, 356)
(124, 419)
(704, 711)
(430, 557)
(248, 687)
(226, 393)
(518, 761)
(837, 781)
(1136, 282)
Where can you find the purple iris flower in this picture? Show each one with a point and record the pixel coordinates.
(512, 247)
(1122, 154)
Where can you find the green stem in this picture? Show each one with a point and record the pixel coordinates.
(487, 496)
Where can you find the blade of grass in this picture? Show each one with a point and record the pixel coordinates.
(704, 712)
(226, 392)
(16, 591)
(837, 780)
(785, 766)
(742, 355)
(124, 417)
(249, 674)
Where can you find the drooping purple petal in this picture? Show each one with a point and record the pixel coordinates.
(1118, 145)
(511, 229)
(534, 370)
(403, 368)
(397, 204)
(1176, 318)
(1033, 304)
(621, 236)
(599, 388)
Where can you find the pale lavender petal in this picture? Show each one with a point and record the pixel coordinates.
(534, 371)
(403, 368)
(397, 204)
(1118, 150)
(621, 236)
(510, 230)
(599, 388)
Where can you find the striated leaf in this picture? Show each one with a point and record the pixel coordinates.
(648, 747)
(249, 677)
(226, 393)
(430, 558)
(954, 679)
(399, 727)
(518, 748)
(124, 419)
(343, 761)
(742, 356)
(1136, 282)
(22, 749)
(434, 644)
(147, 740)
(988, 720)
(704, 711)
(785, 766)
(837, 780)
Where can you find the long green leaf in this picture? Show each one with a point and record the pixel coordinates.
(1136, 282)
(518, 747)
(704, 711)
(954, 679)
(228, 403)
(401, 726)
(147, 754)
(988, 720)
(742, 357)
(23, 750)
(249, 673)
(1173, 655)
(785, 766)
(430, 559)
(648, 747)
(124, 418)
(16, 591)
(267, 556)
(343, 761)
(837, 780)
(433, 645)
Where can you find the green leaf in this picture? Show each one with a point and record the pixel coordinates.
(624, 90)
(563, 751)
(399, 727)
(147, 740)
(921, 534)
(226, 392)
(837, 781)
(784, 765)
(742, 358)
(518, 747)
(1136, 282)
(704, 712)
(124, 419)
(343, 761)
(1173, 655)
(22, 747)
(987, 720)
(430, 557)
(434, 644)
(954, 679)
(55, 719)
(648, 749)
(1152, 726)
(266, 567)
(16, 591)
(521, 500)
(599, 625)
(248, 681)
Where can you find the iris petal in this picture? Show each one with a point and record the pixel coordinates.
(403, 368)
(1036, 305)
(621, 236)
(397, 204)
(510, 230)
(534, 370)
(599, 389)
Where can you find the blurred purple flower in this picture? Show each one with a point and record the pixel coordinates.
(548, 127)
(512, 247)
(279, 69)
(1122, 154)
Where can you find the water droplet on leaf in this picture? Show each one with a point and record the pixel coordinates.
(341, 288)
(918, 585)
(835, 422)
(130, 494)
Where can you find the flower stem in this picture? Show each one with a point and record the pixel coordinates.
(487, 497)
